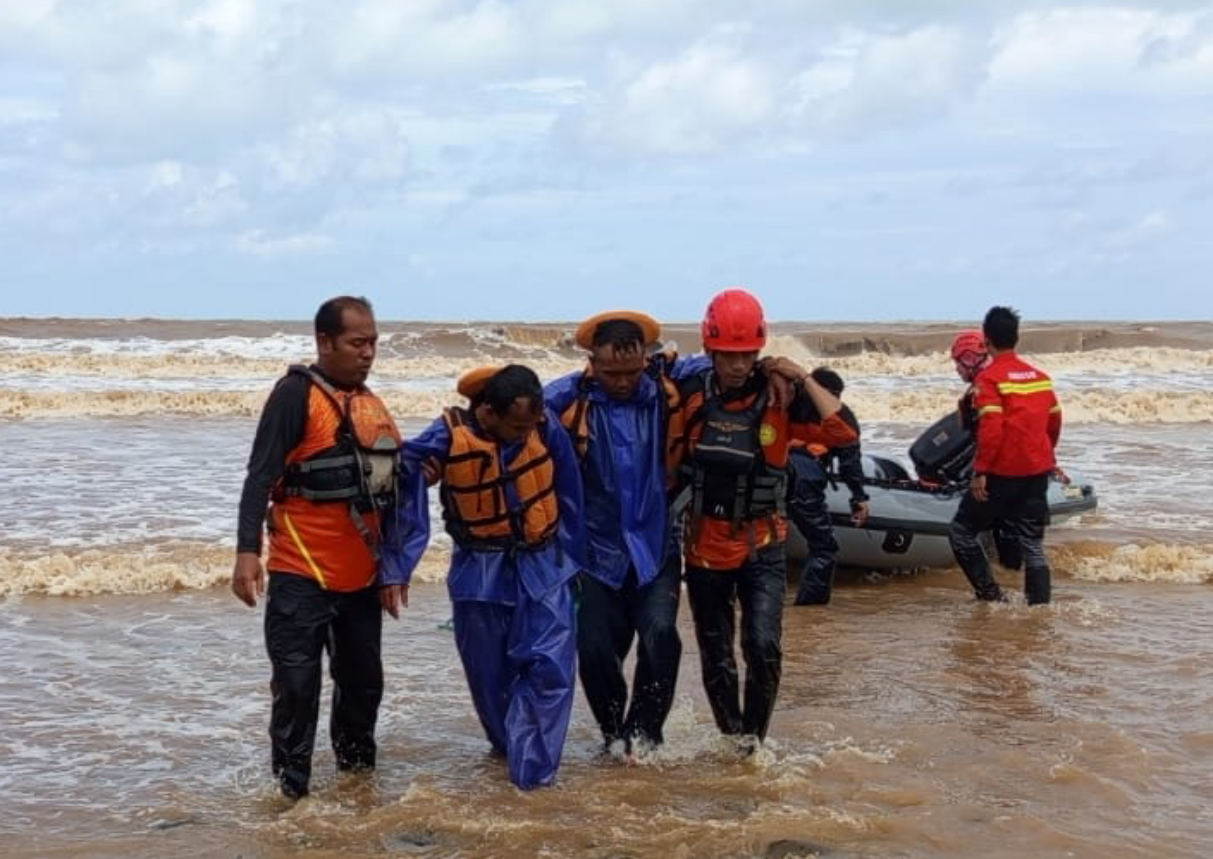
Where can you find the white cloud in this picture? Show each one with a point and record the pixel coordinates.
(867, 82)
(421, 38)
(553, 90)
(361, 146)
(1092, 50)
(259, 243)
(282, 127)
(23, 110)
(1136, 236)
(697, 102)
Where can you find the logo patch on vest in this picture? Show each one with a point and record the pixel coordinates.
(767, 435)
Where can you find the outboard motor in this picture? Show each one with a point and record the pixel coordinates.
(944, 453)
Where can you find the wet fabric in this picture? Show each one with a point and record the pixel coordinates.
(758, 588)
(302, 620)
(1018, 418)
(477, 483)
(519, 662)
(1020, 507)
(513, 610)
(720, 543)
(608, 621)
(477, 575)
(624, 473)
(809, 513)
(279, 429)
(318, 540)
(623, 477)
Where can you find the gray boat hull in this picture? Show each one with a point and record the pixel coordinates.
(907, 526)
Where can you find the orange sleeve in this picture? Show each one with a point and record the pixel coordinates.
(833, 431)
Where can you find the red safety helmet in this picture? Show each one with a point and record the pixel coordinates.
(734, 322)
(969, 354)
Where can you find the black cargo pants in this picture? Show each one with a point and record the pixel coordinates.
(301, 621)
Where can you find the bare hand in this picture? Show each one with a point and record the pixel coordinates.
(431, 469)
(978, 488)
(784, 367)
(859, 514)
(248, 578)
(780, 391)
(393, 597)
(1060, 476)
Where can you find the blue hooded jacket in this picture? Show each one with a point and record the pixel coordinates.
(623, 474)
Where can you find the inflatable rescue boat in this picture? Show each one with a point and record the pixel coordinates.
(909, 516)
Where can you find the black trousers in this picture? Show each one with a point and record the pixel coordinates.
(1020, 506)
(302, 620)
(758, 587)
(808, 511)
(608, 621)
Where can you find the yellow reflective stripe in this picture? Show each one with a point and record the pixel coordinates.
(307, 556)
(985, 409)
(1025, 387)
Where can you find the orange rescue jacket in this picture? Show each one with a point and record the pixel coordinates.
(329, 541)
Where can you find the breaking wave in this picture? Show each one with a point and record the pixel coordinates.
(908, 405)
(1175, 563)
(184, 565)
(548, 363)
(142, 569)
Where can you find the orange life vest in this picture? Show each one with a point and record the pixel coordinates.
(737, 480)
(339, 479)
(576, 418)
(475, 506)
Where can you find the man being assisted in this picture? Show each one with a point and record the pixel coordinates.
(616, 413)
(1018, 425)
(325, 453)
(734, 452)
(511, 498)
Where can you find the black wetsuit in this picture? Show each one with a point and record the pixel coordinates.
(808, 480)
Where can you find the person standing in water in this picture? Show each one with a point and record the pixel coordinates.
(616, 412)
(325, 456)
(809, 474)
(733, 453)
(511, 497)
(970, 357)
(1018, 426)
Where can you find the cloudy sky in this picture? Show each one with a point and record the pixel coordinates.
(542, 159)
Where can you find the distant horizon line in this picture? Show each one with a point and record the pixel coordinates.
(1027, 321)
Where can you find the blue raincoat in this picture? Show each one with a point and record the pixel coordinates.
(624, 475)
(513, 611)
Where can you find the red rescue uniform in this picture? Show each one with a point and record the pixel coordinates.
(1018, 418)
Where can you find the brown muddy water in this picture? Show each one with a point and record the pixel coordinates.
(911, 721)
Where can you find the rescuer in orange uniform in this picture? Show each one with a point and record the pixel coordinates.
(325, 455)
(732, 449)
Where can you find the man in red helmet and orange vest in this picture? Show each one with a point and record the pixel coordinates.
(510, 488)
(733, 453)
(325, 455)
(1018, 425)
